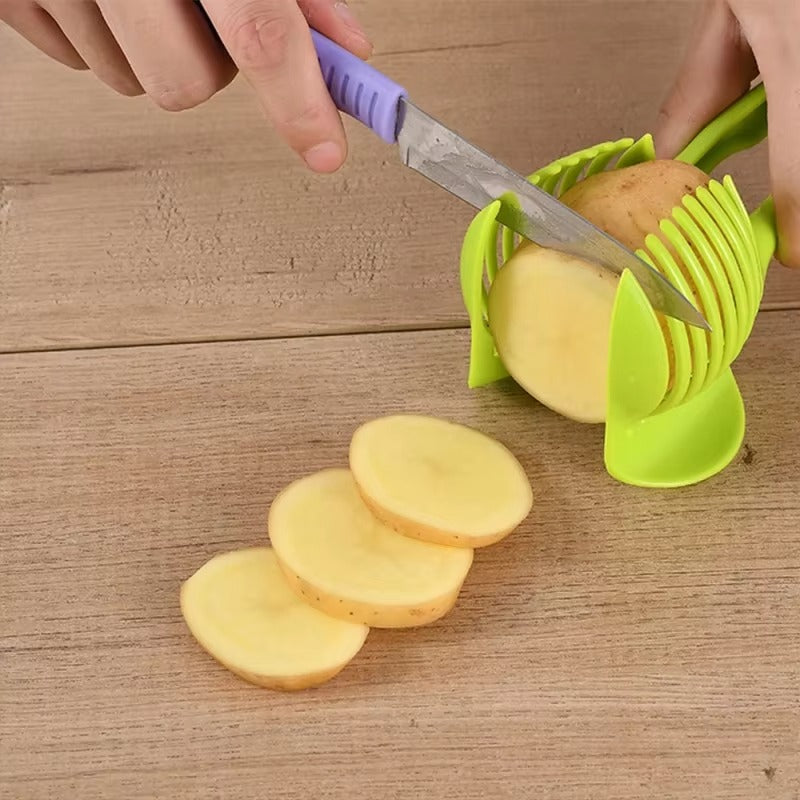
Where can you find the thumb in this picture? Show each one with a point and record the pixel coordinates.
(717, 70)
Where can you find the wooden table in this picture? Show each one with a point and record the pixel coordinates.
(188, 320)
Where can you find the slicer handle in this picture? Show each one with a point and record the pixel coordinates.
(740, 126)
(358, 89)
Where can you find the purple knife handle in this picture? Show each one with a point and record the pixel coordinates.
(358, 89)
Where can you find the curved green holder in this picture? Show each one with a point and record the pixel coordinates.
(662, 429)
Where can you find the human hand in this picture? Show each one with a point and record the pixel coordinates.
(735, 41)
(167, 50)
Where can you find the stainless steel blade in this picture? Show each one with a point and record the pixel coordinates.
(469, 173)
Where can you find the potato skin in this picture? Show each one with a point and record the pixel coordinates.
(375, 616)
(296, 683)
(427, 533)
(411, 605)
(629, 203)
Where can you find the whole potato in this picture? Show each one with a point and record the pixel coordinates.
(630, 203)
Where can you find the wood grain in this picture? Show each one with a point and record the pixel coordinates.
(122, 224)
(622, 644)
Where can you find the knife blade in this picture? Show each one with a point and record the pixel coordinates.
(467, 172)
(444, 157)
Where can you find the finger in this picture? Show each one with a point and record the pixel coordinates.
(271, 43)
(776, 50)
(83, 24)
(42, 31)
(336, 20)
(719, 67)
(170, 49)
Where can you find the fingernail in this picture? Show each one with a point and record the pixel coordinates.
(325, 157)
(349, 19)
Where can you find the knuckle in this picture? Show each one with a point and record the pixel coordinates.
(259, 40)
(304, 122)
(677, 99)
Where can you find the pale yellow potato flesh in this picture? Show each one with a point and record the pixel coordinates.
(344, 561)
(241, 610)
(439, 481)
(550, 316)
(630, 204)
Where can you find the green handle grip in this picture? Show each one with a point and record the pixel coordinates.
(742, 125)
(765, 231)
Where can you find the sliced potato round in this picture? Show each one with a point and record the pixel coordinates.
(242, 611)
(439, 481)
(550, 316)
(341, 559)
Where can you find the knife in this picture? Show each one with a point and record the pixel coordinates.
(464, 170)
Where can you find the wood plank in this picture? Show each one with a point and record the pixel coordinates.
(122, 224)
(622, 644)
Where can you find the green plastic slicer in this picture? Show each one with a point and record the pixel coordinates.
(661, 430)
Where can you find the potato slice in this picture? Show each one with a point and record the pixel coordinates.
(340, 558)
(439, 481)
(241, 610)
(550, 316)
